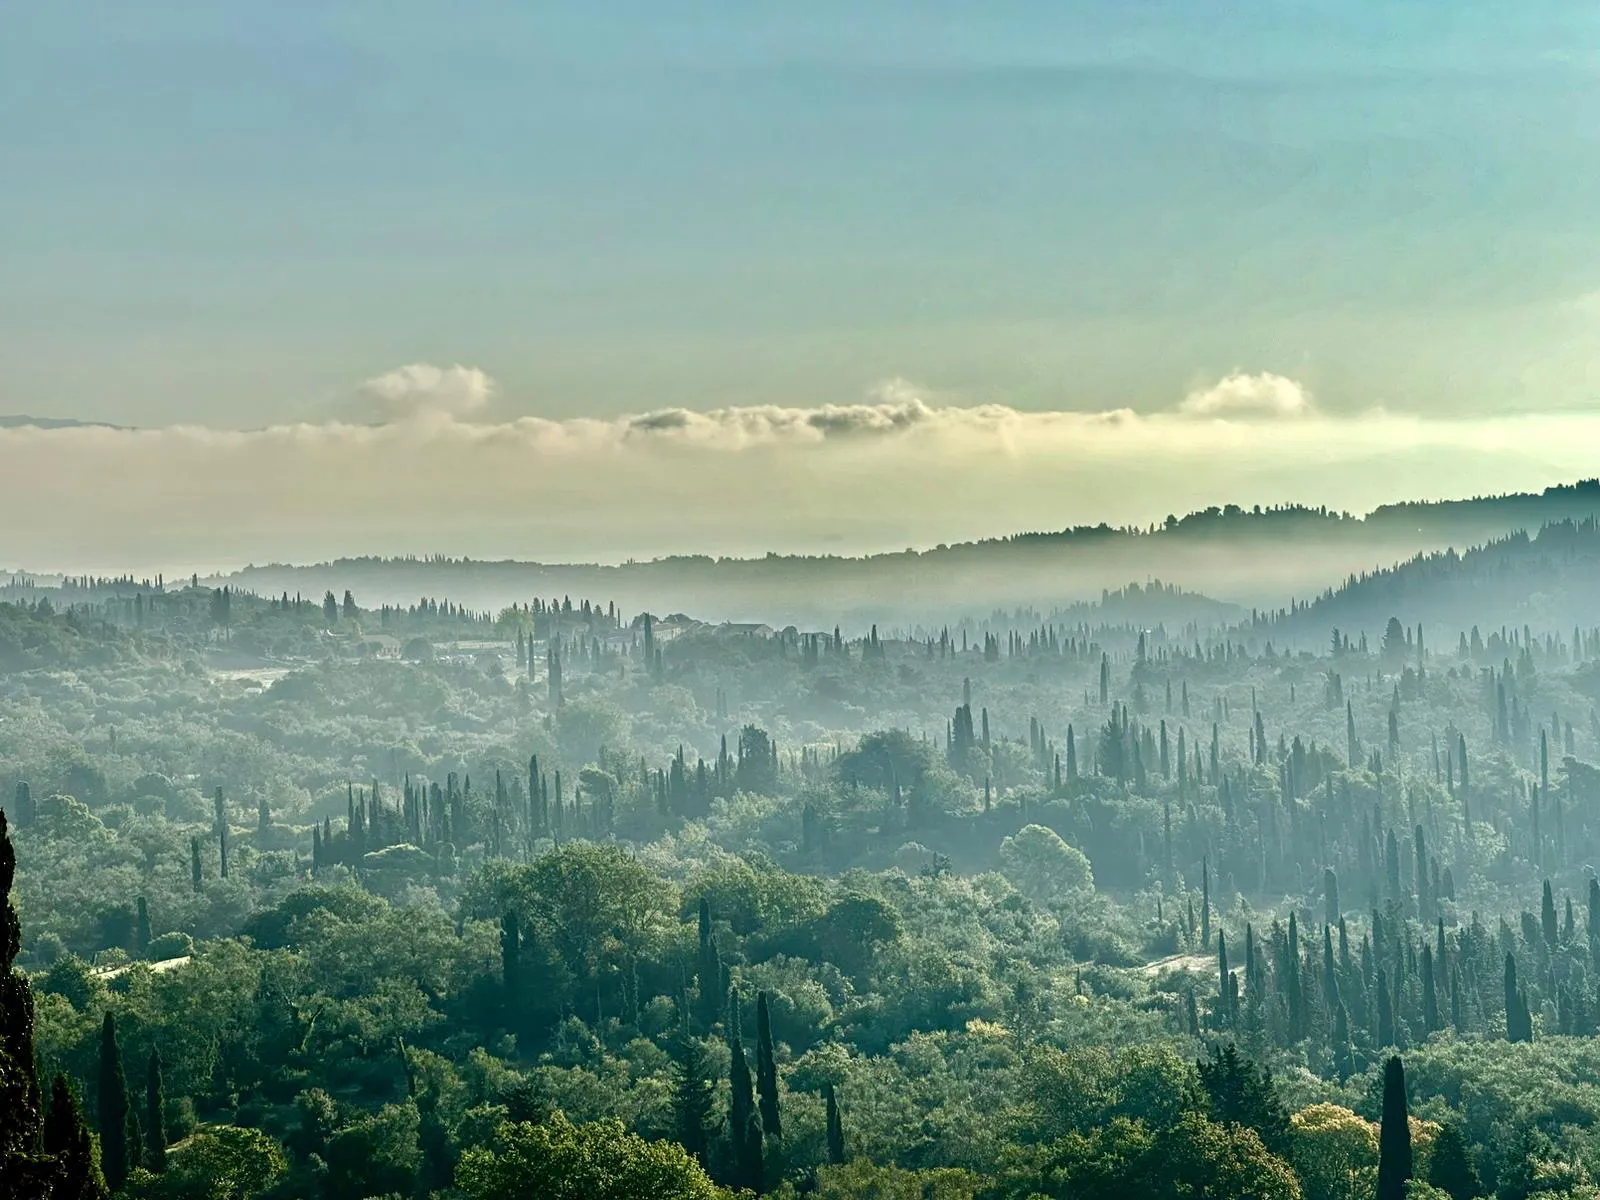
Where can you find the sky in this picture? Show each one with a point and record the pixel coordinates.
(330, 224)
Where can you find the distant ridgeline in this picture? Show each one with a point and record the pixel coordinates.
(1546, 580)
(1254, 557)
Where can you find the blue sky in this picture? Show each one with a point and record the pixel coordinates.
(234, 213)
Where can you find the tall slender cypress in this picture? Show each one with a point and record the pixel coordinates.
(66, 1140)
(19, 1085)
(744, 1129)
(194, 864)
(511, 966)
(1385, 1010)
(221, 807)
(835, 1125)
(766, 1070)
(1394, 1134)
(1430, 993)
(155, 1116)
(142, 920)
(1513, 1001)
(710, 974)
(1224, 1018)
(113, 1107)
(1343, 1061)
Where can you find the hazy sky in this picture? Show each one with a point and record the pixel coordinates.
(233, 214)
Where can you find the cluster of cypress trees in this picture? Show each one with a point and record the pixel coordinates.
(46, 1151)
(1349, 1001)
(751, 1133)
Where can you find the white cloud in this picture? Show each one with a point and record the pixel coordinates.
(1241, 395)
(899, 469)
(421, 389)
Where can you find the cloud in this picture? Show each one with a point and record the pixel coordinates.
(900, 468)
(420, 389)
(1240, 395)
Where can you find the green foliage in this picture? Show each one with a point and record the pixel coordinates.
(951, 968)
(224, 1162)
(1042, 866)
(558, 1160)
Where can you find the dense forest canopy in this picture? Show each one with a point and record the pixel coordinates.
(314, 894)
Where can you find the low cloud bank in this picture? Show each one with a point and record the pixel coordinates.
(428, 472)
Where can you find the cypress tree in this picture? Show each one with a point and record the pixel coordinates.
(1394, 1134)
(744, 1130)
(710, 976)
(25, 809)
(19, 1086)
(1547, 917)
(143, 934)
(1385, 1010)
(1330, 976)
(194, 864)
(155, 1116)
(1594, 918)
(1430, 993)
(1291, 981)
(113, 1107)
(766, 1070)
(1224, 1016)
(835, 1125)
(1205, 903)
(1342, 1061)
(511, 966)
(67, 1141)
(221, 808)
(1519, 1022)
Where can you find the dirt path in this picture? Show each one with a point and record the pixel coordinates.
(1180, 962)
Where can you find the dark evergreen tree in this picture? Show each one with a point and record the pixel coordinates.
(1430, 993)
(1519, 1020)
(19, 1086)
(835, 1124)
(744, 1127)
(710, 973)
(113, 1107)
(75, 1168)
(1394, 1134)
(194, 864)
(155, 1116)
(1240, 1092)
(1386, 1029)
(511, 968)
(221, 807)
(1343, 1059)
(24, 806)
(766, 1070)
(693, 1096)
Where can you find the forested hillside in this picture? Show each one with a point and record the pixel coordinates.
(1543, 578)
(320, 899)
(1253, 557)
